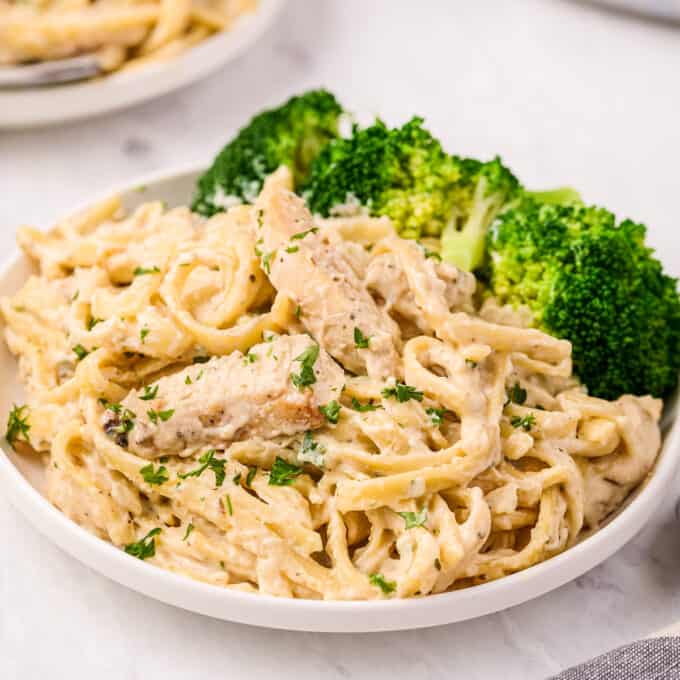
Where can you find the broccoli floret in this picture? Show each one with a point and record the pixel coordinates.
(483, 190)
(562, 196)
(291, 135)
(595, 283)
(402, 173)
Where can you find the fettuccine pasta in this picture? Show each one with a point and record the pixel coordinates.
(305, 408)
(121, 33)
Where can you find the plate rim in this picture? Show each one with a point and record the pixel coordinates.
(325, 615)
(36, 107)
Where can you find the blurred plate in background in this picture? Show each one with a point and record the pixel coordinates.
(49, 105)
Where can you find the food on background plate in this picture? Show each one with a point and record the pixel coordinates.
(347, 373)
(119, 33)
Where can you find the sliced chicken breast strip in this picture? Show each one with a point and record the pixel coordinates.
(334, 305)
(229, 399)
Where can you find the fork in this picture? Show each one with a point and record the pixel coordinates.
(55, 72)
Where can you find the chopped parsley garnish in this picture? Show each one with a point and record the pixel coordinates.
(260, 218)
(437, 564)
(517, 394)
(414, 519)
(436, 415)
(93, 322)
(386, 586)
(190, 528)
(155, 416)
(146, 547)
(298, 311)
(80, 351)
(331, 411)
(208, 461)
(143, 333)
(141, 271)
(360, 340)
(236, 478)
(311, 451)
(229, 505)
(266, 261)
(122, 424)
(292, 249)
(525, 423)
(250, 358)
(306, 375)
(149, 393)
(470, 363)
(283, 473)
(152, 476)
(17, 425)
(251, 475)
(200, 360)
(402, 393)
(302, 234)
(187, 380)
(362, 408)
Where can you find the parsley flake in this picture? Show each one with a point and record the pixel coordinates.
(362, 408)
(141, 271)
(414, 519)
(208, 461)
(146, 547)
(80, 351)
(306, 375)
(250, 358)
(190, 528)
(301, 234)
(143, 333)
(402, 393)
(152, 476)
(149, 393)
(155, 416)
(436, 415)
(93, 322)
(283, 473)
(386, 586)
(525, 423)
(331, 411)
(517, 394)
(17, 425)
(360, 340)
(311, 451)
(229, 505)
(251, 475)
(292, 249)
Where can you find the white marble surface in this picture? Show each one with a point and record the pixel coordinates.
(566, 94)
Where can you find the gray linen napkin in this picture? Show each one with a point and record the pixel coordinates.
(652, 659)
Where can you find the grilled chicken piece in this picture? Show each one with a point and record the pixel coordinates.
(319, 277)
(231, 398)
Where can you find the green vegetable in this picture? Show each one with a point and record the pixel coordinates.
(283, 473)
(230, 508)
(149, 392)
(208, 461)
(93, 322)
(362, 408)
(251, 475)
(143, 333)
(17, 425)
(152, 476)
(306, 375)
(155, 416)
(592, 281)
(402, 393)
(526, 422)
(483, 190)
(190, 528)
(360, 340)
(311, 451)
(386, 586)
(80, 351)
(402, 173)
(146, 547)
(517, 394)
(141, 271)
(331, 411)
(436, 415)
(291, 135)
(414, 519)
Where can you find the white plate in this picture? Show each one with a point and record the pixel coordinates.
(21, 479)
(45, 106)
